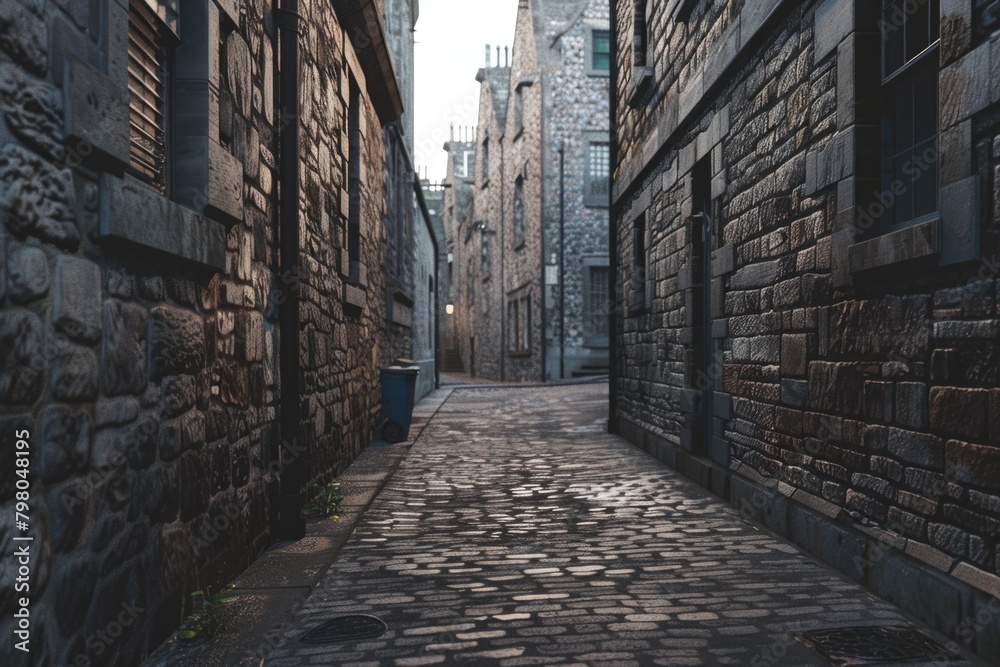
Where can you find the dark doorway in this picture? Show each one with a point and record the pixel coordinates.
(472, 356)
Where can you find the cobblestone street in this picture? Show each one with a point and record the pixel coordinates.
(517, 532)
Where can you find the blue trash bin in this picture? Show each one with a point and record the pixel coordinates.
(399, 386)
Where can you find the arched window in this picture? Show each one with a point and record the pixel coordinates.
(639, 34)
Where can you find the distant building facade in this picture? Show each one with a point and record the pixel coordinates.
(805, 210)
(193, 281)
(532, 248)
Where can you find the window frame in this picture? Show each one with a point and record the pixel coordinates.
(639, 294)
(590, 198)
(591, 51)
(518, 214)
(590, 266)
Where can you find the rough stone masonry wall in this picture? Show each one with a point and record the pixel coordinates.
(577, 113)
(482, 311)
(523, 157)
(148, 388)
(873, 403)
(342, 347)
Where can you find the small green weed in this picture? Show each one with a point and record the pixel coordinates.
(325, 502)
(207, 619)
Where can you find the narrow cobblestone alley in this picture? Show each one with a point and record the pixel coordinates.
(517, 532)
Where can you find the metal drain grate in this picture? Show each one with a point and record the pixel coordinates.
(873, 645)
(346, 629)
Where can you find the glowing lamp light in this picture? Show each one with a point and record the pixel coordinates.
(450, 309)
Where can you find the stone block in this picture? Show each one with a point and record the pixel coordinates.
(879, 401)
(116, 411)
(916, 448)
(756, 276)
(38, 198)
(893, 248)
(835, 387)
(66, 442)
(195, 485)
(32, 110)
(76, 306)
(966, 86)
(23, 37)
(832, 22)
(794, 392)
(28, 274)
(123, 349)
(967, 463)
(178, 395)
(96, 112)
(73, 377)
(794, 354)
(956, 29)
(960, 412)
(158, 493)
(177, 342)
(22, 358)
(912, 409)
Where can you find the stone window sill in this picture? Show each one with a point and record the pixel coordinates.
(596, 342)
(353, 299)
(904, 245)
(642, 79)
(519, 244)
(596, 203)
(519, 355)
(133, 213)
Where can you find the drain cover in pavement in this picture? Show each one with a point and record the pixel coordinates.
(873, 645)
(346, 629)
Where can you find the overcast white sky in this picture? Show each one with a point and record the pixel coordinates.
(450, 47)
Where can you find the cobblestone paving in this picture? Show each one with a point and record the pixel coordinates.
(517, 532)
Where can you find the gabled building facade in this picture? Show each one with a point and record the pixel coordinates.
(539, 291)
(806, 237)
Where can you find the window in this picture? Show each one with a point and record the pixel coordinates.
(595, 305)
(910, 41)
(637, 302)
(600, 55)
(519, 321)
(149, 95)
(486, 161)
(484, 254)
(518, 112)
(642, 62)
(639, 34)
(598, 174)
(519, 211)
(354, 183)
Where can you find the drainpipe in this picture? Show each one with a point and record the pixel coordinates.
(562, 258)
(613, 233)
(286, 514)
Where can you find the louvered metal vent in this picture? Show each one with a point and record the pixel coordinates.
(147, 95)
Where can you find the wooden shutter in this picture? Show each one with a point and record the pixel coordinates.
(147, 95)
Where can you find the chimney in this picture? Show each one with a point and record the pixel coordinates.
(498, 56)
(506, 56)
(487, 56)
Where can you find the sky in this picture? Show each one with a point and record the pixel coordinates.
(451, 39)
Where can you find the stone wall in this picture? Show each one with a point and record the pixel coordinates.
(138, 332)
(853, 400)
(147, 381)
(576, 101)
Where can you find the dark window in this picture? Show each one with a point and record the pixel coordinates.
(910, 32)
(518, 111)
(525, 345)
(486, 160)
(601, 52)
(598, 179)
(148, 89)
(514, 322)
(518, 211)
(595, 322)
(637, 301)
(354, 182)
(484, 254)
(639, 34)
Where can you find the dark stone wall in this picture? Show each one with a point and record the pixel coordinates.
(139, 333)
(867, 394)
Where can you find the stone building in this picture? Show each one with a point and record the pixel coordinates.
(192, 290)
(806, 202)
(457, 196)
(533, 251)
(411, 260)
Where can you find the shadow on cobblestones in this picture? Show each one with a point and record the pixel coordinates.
(518, 532)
